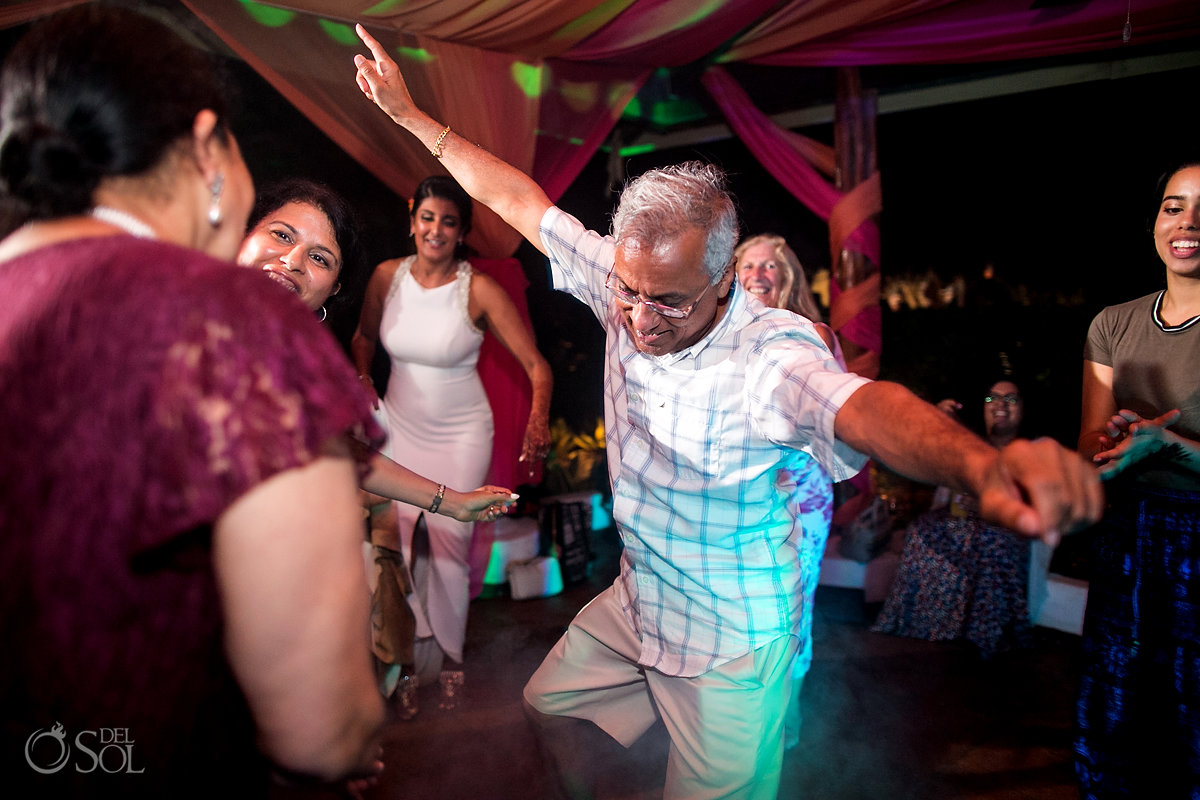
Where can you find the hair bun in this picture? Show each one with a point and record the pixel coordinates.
(46, 170)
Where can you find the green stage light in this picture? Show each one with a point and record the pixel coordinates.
(268, 15)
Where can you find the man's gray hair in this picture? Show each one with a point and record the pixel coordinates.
(659, 205)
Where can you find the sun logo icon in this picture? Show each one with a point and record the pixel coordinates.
(59, 734)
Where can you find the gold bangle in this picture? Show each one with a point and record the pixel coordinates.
(436, 150)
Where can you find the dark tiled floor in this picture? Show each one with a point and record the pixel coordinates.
(884, 717)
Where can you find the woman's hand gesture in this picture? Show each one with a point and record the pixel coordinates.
(485, 504)
(1134, 439)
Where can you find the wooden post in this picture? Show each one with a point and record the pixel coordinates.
(854, 150)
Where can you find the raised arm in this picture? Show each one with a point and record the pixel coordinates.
(512, 194)
(1037, 488)
(288, 558)
(504, 321)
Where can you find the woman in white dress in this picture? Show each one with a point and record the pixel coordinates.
(430, 311)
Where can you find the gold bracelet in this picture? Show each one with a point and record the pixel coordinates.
(437, 498)
(436, 150)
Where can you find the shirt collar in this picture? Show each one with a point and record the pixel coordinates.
(737, 300)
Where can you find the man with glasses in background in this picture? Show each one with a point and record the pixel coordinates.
(727, 422)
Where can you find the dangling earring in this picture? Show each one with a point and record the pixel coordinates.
(214, 207)
(324, 314)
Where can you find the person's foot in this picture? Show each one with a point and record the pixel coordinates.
(451, 683)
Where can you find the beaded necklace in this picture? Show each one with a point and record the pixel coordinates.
(125, 221)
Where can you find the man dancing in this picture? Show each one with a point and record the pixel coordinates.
(727, 422)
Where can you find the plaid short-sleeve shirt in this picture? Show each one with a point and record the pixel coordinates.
(721, 457)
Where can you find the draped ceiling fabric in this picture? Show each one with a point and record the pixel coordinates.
(542, 82)
(563, 70)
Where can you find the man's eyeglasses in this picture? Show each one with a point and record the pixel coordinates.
(613, 284)
(1009, 399)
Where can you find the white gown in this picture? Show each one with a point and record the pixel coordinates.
(440, 426)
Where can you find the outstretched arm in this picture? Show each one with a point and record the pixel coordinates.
(512, 194)
(391, 480)
(1037, 488)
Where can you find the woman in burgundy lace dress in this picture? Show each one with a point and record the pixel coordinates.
(181, 597)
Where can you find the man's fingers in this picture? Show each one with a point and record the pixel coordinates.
(371, 42)
(1053, 491)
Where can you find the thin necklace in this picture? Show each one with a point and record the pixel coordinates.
(125, 221)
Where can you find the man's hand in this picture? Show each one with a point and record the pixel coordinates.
(1041, 489)
(381, 81)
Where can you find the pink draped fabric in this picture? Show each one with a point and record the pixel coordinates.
(547, 115)
(855, 313)
(667, 33)
(772, 145)
(490, 97)
(507, 386)
(531, 28)
(831, 33)
(510, 396)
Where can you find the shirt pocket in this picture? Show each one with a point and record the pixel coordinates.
(694, 436)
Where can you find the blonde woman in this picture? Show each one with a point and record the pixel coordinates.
(769, 270)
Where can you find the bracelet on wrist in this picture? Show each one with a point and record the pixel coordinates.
(436, 150)
(437, 498)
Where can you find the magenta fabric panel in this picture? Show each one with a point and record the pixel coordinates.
(530, 28)
(667, 33)
(776, 149)
(508, 389)
(771, 145)
(796, 24)
(991, 30)
(510, 395)
(865, 327)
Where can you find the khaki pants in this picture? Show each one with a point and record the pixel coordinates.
(725, 726)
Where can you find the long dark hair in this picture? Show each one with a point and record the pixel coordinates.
(93, 92)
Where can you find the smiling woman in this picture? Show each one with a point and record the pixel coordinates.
(430, 311)
(769, 270)
(304, 235)
(1139, 702)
